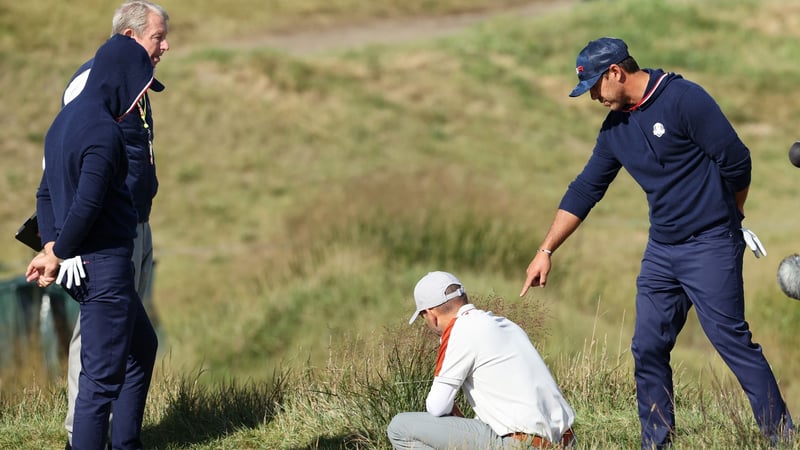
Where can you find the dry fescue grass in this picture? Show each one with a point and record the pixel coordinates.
(301, 198)
(347, 401)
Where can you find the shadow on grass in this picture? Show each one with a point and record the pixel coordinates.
(342, 442)
(195, 414)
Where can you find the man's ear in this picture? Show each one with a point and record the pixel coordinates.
(128, 32)
(616, 71)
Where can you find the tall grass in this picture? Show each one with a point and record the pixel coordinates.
(347, 402)
(185, 412)
(301, 199)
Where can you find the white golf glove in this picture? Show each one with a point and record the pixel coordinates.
(72, 269)
(752, 241)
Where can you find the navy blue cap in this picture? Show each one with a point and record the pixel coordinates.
(594, 59)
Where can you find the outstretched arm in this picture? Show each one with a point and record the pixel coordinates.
(562, 227)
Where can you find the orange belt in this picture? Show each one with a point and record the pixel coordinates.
(537, 441)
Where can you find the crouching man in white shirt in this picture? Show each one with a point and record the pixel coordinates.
(515, 398)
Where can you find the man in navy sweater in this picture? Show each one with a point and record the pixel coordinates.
(148, 24)
(674, 140)
(87, 222)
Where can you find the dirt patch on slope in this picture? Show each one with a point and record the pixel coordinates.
(309, 42)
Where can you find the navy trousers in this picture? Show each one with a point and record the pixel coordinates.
(117, 355)
(704, 272)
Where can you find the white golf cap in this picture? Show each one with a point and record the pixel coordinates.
(430, 291)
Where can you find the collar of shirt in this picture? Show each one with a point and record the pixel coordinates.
(464, 310)
(647, 94)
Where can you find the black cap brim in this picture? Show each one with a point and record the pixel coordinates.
(156, 86)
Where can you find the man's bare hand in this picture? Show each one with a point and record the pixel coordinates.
(537, 272)
(44, 267)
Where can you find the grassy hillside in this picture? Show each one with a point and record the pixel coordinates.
(301, 198)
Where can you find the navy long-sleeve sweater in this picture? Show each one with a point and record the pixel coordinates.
(681, 149)
(83, 203)
(139, 133)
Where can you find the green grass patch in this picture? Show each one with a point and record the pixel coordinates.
(302, 197)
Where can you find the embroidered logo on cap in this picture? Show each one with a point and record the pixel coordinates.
(578, 70)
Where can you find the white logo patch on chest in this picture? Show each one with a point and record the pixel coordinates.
(658, 129)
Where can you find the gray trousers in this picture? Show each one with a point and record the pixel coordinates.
(143, 277)
(423, 431)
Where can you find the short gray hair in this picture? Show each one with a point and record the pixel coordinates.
(133, 14)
